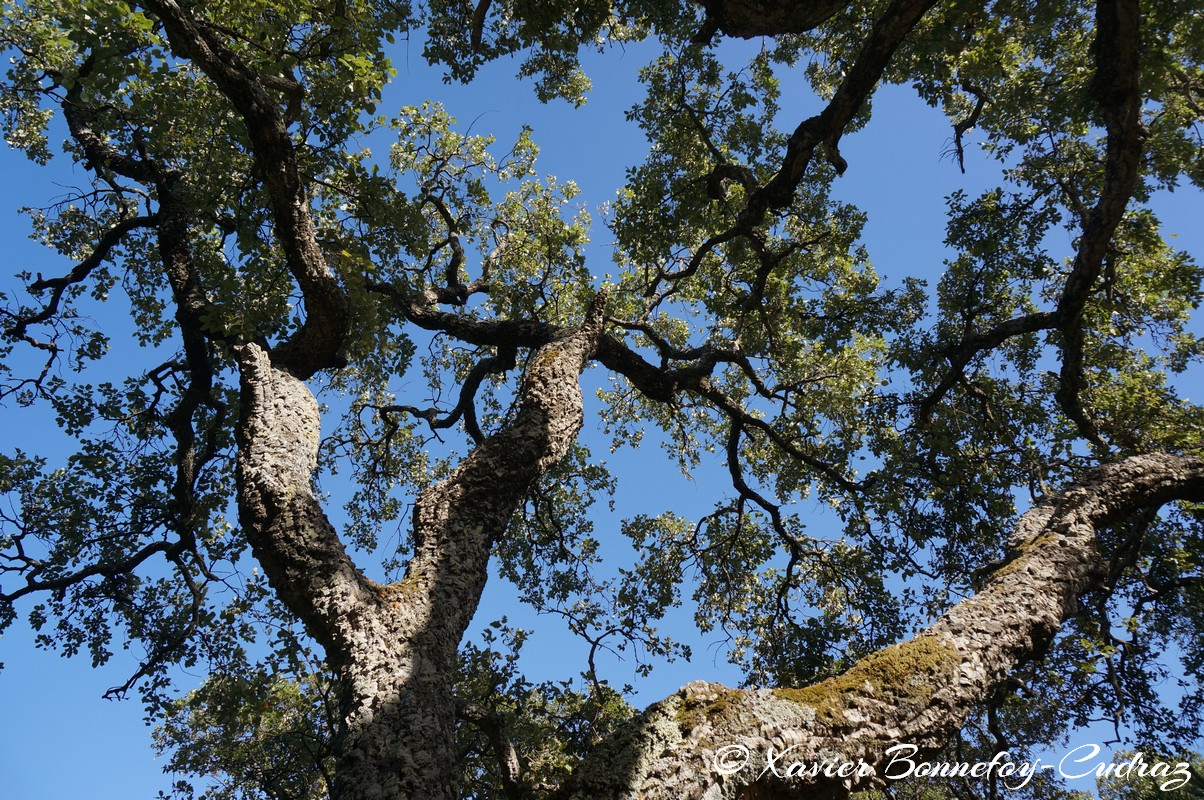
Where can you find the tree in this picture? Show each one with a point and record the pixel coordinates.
(269, 260)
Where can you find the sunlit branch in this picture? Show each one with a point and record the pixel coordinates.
(918, 691)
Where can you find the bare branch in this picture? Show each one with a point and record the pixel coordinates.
(965, 125)
(504, 361)
(109, 240)
(104, 570)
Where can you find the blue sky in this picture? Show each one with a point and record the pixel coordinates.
(61, 739)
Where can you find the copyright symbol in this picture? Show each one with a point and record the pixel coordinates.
(730, 759)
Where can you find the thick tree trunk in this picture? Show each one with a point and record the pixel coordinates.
(400, 738)
(916, 693)
(394, 647)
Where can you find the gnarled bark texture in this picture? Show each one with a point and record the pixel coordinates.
(917, 692)
(394, 646)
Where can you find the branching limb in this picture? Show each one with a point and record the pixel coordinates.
(291, 537)
(109, 240)
(504, 361)
(963, 126)
(823, 130)
(549, 415)
(968, 349)
(918, 692)
(103, 570)
(316, 345)
(659, 383)
(1117, 89)
(403, 740)
(826, 128)
(101, 156)
(454, 286)
(164, 652)
(738, 415)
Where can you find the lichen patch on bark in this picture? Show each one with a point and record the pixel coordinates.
(902, 673)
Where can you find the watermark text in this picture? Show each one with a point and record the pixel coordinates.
(903, 761)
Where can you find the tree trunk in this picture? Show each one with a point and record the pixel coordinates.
(394, 646)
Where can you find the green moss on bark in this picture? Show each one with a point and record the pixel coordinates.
(695, 710)
(899, 673)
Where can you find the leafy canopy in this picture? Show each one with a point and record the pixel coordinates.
(921, 414)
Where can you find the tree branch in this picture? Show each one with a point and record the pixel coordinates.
(965, 125)
(110, 239)
(825, 129)
(748, 19)
(301, 554)
(99, 154)
(504, 361)
(916, 692)
(1116, 87)
(316, 345)
(657, 383)
(491, 724)
(401, 726)
(104, 570)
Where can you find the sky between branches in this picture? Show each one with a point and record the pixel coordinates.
(61, 739)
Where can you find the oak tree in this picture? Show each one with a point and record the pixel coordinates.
(1005, 454)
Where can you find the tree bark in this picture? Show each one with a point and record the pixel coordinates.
(394, 646)
(400, 737)
(917, 692)
(317, 343)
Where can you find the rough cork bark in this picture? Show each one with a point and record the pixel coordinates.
(917, 692)
(394, 646)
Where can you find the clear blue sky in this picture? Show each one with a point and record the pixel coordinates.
(60, 739)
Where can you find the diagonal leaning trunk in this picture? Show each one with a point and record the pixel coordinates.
(394, 646)
(708, 742)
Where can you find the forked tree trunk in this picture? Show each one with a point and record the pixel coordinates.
(394, 646)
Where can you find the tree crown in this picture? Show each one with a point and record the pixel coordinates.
(428, 299)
